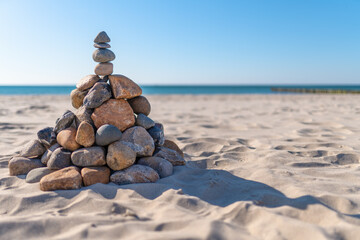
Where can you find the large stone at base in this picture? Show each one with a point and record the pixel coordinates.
(85, 135)
(172, 156)
(33, 148)
(66, 138)
(135, 174)
(116, 112)
(22, 165)
(163, 167)
(120, 156)
(36, 174)
(64, 179)
(87, 157)
(93, 175)
(123, 87)
(139, 140)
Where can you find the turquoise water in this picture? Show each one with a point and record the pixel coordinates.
(248, 89)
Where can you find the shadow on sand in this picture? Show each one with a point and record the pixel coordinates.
(217, 187)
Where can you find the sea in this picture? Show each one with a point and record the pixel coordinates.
(183, 89)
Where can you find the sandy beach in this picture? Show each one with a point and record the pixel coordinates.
(258, 167)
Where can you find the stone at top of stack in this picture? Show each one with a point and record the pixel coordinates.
(110, 133)
(103, 55)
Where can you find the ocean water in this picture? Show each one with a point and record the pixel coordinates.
(147, 89)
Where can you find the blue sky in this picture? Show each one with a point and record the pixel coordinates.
(183, 42)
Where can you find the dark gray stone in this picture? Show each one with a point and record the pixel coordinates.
(33, 148)
(46, 156)
(163, 167)
(157, 134)
(59, 159)
(97, 95)
(103, 55)
(65, 121)
(89, 157)
(102, 37)
(36, 174)
(47, 136)
(107, 134)
(143, 121)
(139, 140)
(172, 156)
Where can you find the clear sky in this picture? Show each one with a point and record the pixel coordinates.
(183, 42)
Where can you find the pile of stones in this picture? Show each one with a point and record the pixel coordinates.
(109, 138)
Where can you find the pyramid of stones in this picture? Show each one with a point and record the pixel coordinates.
(109, 138)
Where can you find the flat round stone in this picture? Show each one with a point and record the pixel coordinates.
(102, 45)
(104, 69)
(103, 55)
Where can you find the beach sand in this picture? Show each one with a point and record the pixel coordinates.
(258, 167)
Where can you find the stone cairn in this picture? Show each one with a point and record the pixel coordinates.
(109, 137)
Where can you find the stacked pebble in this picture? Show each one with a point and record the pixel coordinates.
(109, 138)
